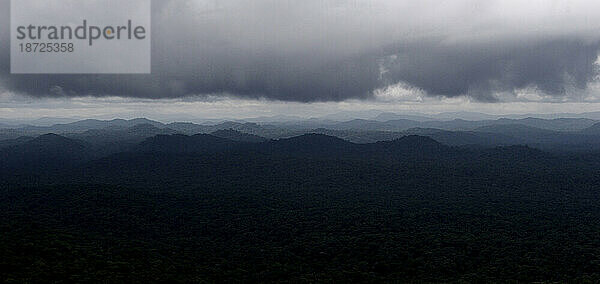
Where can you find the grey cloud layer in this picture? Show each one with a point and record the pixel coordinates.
(480, 71)
(331, 50)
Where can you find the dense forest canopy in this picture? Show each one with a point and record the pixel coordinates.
(149, 204)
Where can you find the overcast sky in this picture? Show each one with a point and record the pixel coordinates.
(318, 56)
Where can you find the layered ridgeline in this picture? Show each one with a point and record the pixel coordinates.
(51, 151)
(147, 202)
(56, 152)
(557, 135)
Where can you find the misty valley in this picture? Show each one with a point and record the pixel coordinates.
(383, 200)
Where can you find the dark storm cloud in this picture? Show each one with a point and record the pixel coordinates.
(335, 50)
(481, 71)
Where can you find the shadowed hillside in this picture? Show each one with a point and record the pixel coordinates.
(233, 206)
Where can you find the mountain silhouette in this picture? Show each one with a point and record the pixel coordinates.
(49, 151)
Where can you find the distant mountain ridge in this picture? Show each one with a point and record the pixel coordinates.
(385, 121)
(563, 124)
(119, 135)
